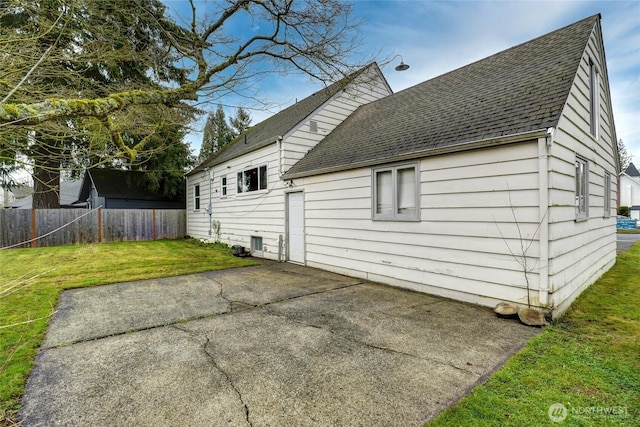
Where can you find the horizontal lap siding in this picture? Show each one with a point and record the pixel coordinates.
(237, 217)
(464, 245)
(330, 116)
(580, 251)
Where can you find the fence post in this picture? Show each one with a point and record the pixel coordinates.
(154, 224)
(99, 225)
(34, 231)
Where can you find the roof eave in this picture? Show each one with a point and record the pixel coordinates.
(215, 162)
(456, 148)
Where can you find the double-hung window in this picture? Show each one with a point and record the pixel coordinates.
(582, 188)
(607, 195)
(223, 186)
(396, 193)
(196, 197)
(252, 180)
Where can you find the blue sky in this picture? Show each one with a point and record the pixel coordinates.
(438, 36)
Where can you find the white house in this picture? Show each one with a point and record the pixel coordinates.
(630, 190)
(238, 196)
(494, 182)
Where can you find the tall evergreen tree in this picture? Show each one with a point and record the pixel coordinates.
(217, 134)
(241, 121)
(89, 48)
(623, 155)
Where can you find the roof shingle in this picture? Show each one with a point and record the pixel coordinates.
(521, 89)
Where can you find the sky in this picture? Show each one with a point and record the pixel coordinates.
(435, 37)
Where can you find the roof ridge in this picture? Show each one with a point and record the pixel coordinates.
(491, 98)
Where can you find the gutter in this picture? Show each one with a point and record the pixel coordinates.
(466, 146)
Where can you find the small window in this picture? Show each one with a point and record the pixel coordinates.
(313, 126)
(395, 193)
(196, 196)
(594, 99)
(252, 180)
(256, 244)
(607, 195)
(582, 188)
(223, 186)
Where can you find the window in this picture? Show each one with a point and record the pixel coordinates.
(594, 99)
(196, 197)
(607, 195)
(252, 180)
(395, 193)
(256, 244)
(223, 186)
(582, 188)
(313, 126)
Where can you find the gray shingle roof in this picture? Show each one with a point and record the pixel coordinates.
(521, 89)
(266, 132)
(118, 184)
(68, 195)
(632, 170)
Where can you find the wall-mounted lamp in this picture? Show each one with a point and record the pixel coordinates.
(401, 66)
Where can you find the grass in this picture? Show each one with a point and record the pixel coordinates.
(31, 280)
(628, 231)
(589, 362)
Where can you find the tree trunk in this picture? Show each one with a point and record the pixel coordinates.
(46, 175)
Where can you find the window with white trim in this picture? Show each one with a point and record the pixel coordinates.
(252, 179)
(582, 188)
(395, 193)
(594, 99)
(607, 195)
(196, 197)
(223, 186)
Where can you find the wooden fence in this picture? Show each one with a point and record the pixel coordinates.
(57, 227)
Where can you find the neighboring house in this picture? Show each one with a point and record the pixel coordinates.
(121, 189)
(494, 182)
(68, 197)
(630, 190)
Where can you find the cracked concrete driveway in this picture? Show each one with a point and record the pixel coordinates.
(272, 345)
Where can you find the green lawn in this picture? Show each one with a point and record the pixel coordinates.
(589, 362)
(31, 279)
(628, 231)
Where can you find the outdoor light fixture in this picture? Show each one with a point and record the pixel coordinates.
(402, 66)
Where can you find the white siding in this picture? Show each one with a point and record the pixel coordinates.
(369, 87)
(237, 217)
(465, 245)
(581, 251)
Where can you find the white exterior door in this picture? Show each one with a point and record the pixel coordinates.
(295, 227)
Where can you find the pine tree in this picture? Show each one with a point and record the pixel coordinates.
(623, 155)
(217, 134)
(241, 122)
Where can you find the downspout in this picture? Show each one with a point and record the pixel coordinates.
(209, 206)
(544, 144)
(280, 154)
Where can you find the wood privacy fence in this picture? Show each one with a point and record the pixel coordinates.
(57, 227)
